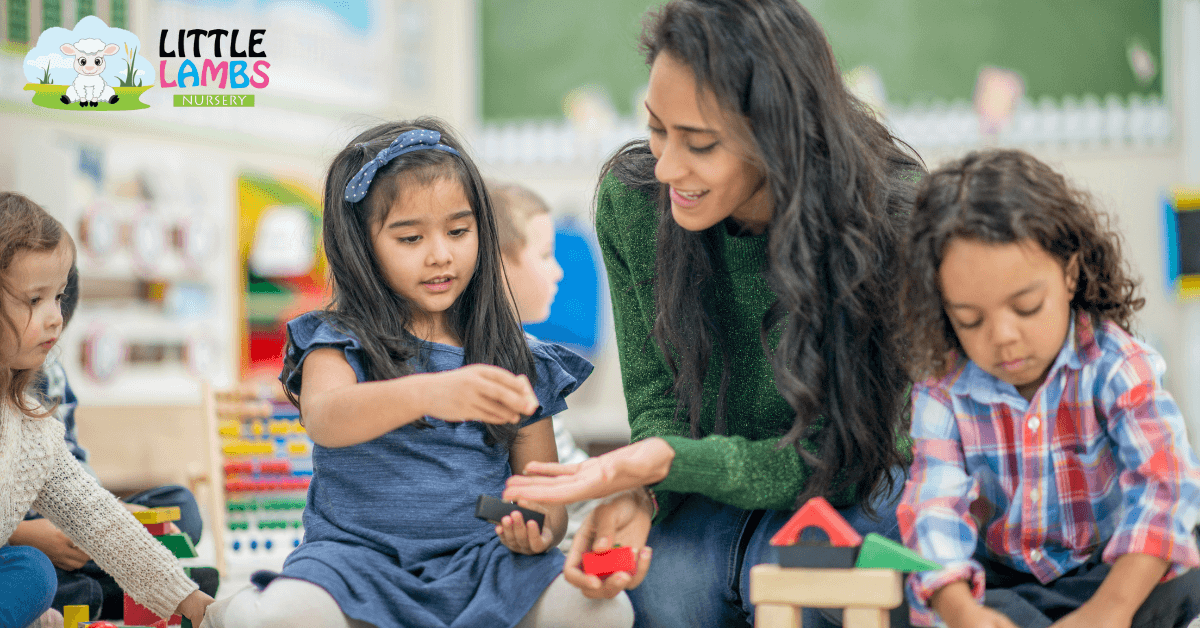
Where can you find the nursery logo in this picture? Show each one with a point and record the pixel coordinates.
(90, 67)
(217, 59)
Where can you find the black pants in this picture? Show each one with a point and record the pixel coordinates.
(92, 586)
(1031, 604)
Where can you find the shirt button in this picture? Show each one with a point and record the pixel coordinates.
(1035, 494)
(1036, 555)
(1034, 423)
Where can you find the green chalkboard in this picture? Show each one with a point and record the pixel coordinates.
(534, 52)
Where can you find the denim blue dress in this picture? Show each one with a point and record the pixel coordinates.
(389, 529)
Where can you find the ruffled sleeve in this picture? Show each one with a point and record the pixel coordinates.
(312, 331)
(559, 372)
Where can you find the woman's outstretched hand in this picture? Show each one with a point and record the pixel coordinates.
(623, 519)
(640, 464)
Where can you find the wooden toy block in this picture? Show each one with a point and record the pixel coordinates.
(139, 616)
(74, 614)
(494, 509)
(97, 624)
(609, 562)
(879, 552)
(179, 544)
(158, 515)
(186, 623)
(158, 529)
(817, 512)
(779, 593)
(815, 556)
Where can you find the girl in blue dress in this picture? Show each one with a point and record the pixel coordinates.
(421, 393)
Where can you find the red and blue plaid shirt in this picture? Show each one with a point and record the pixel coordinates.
(1099, 458)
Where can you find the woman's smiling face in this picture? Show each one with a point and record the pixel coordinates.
(709, 172)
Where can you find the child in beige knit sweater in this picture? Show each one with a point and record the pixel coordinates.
(36, 469)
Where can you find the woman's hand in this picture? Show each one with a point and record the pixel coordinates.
(478, 392)
(524, 537)
(623, 519)
(193, 606)
(640, 464)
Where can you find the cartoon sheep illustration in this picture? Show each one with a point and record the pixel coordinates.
(89, 88)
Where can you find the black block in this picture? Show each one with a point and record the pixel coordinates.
(817, 556)
(493, 509)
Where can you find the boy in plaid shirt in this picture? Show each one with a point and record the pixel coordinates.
(1052, 475)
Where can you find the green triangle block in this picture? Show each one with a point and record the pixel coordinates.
(879, 552)
(179, 544)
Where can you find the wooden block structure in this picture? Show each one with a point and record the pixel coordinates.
(820, 576)
(158, 520)
(779, 594)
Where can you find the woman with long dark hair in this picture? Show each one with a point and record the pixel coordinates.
(750, 247)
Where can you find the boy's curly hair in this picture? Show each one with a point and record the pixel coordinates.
(1003, 197)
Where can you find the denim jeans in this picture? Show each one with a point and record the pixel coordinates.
(703, 552)
(26, 585)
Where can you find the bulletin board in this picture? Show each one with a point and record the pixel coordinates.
(534, 52)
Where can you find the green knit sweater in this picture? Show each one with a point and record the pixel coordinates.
(745, 467)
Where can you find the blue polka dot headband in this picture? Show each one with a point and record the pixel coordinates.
(409, 141)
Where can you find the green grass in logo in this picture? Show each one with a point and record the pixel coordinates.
(48, 96)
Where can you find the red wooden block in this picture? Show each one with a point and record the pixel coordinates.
(607, 563)
(817, 512)
(138, 615)
(158, 529)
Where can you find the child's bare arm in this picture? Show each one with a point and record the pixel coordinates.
(955, 604)
(536, 442)
(1125, 588)
(339, 411)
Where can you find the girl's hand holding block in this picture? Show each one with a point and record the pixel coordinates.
(479, 392)
(522, 535)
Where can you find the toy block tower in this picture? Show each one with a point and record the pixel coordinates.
(158, 522)
(860, 575)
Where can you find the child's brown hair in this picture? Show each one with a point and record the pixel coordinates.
(1004, 197)
(24, 226)
(515, 205)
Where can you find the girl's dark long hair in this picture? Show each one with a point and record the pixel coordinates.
(1006, 197)
(841, 188)
(362, 302)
